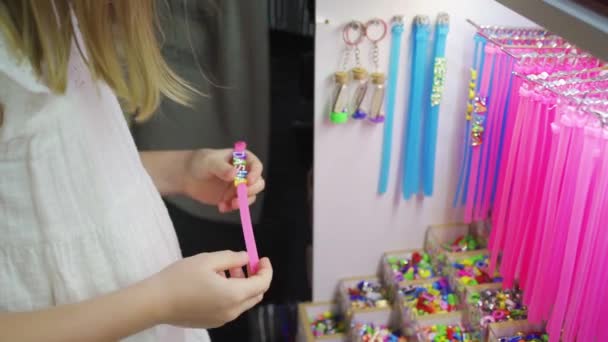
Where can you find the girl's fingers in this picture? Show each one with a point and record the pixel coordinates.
(237, 272)
(255, 167)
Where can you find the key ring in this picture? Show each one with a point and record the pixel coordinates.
(353, 26)
(376, 22)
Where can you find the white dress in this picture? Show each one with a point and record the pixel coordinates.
(79, 214)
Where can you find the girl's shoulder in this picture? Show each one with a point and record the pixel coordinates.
(18, 70)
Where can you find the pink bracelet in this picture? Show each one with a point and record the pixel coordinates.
(239, 160)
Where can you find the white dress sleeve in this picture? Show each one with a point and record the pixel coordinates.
(19, 71)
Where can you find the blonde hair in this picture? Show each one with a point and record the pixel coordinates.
(120, 38)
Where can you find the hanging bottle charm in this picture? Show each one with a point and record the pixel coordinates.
(359, 73)
(361, 81)
(340, 104)
(376, 114)
(339, 109)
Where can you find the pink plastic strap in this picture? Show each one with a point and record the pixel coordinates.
(545, 149)
(502, 230)
(522, 176)
(563, 215)
(242, 197)
(513, 109)
(591, 323)
(535, 313)
(588, 248)
(572, 234)
(533, 192)
(495, 120)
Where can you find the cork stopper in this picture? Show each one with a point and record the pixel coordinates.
(378, 78)
(341, 77)
(359, 74)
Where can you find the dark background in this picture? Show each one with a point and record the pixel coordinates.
(284, 232)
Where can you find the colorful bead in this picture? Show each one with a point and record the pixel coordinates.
(479, 116)
(368, 294)
(376, 333)
(431, 298)
(473, 271)
(497, 305)
(327, 324)
(526, 337)
(416, 266)
(472, 88)
(463, 244)
(239, 160)
(447, 333)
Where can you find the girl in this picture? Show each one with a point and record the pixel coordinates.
(88, 252)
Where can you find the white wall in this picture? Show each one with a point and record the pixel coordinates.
(352, 224)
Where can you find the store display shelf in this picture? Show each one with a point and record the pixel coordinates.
(583, 23)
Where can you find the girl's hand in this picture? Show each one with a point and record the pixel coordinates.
(210, 175)
(194, 292)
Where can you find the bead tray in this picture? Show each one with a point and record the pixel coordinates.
(471, 317)
(440, 235)
(306, 311)
(505, 329)
(402, 312)
(453, 318)
(386, 272)
(344, 302)
(378, 317)
(451, 272)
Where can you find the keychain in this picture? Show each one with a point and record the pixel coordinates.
(339, 109)
(359, 72)
(378, 78)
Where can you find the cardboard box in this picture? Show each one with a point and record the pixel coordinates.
(451, 272)
(387, 274)
(404, 313)
(511, 328)
(441, 235)
(377, 317)
(473, 317)
(306, 315)
(344, 302)
(417, 330)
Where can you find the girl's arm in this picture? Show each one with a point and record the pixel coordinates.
(106, 318)
(167, 169)
(192, 292)
(205, 175)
